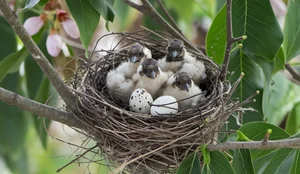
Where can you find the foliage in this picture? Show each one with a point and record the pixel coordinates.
(261, 58)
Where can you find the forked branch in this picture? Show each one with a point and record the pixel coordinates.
(37, 55)
(230, 40)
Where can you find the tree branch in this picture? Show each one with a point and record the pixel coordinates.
(37, 55)
(230, 40)
(169, 17)
(287, 143)
(34, 107)
(295, 75)
(148, 9)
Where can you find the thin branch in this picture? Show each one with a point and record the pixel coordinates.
(171, 19)
(37, 55)
(230, 40)
(295, 75)
(34, 107)
(287, 143)
(148, 9)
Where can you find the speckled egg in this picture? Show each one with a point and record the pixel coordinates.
(165, 108)
(139, 101)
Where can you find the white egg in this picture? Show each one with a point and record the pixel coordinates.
(139, 101)
(165, 108)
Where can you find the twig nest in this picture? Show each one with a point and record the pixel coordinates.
(157, 144)
(164, 106)
(140, 101)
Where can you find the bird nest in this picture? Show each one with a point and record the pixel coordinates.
(138, 141)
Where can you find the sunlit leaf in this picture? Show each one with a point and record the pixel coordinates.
(86, 17)
(30, 4)
(190, 165)
(292, 30)
(283, 95)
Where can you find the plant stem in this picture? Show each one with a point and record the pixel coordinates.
(295, 75)
(38, 56)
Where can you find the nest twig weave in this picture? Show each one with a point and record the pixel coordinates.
(152, 144)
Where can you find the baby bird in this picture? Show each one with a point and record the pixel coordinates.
(120, 88)
(178, 59)
(150, 77)
(136, 54)
(181, 86)
(119, 81)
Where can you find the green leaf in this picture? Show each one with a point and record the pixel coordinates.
(279, 61)
(296, 164)
(219, 164)
(86, 17)
(12, 62)
(293, 120)
(43, 2)
(104, 7)
(283, 95)
(292, 30)
(13, 125)
(257, 21)
(250, 83)
(256, 131)
(8, 42)
(281, 161)
(205, 154)
(30, 4)
(41, 124)
(184, 9)
(242, 161)
(122, 11)
(241, 136)
(216, 37)
(190, 165)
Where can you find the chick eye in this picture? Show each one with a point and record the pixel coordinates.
(141, 53)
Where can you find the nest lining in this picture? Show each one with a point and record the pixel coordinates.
(155, 144)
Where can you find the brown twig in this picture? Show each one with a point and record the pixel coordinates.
(287, 143)
(148, 9)
(171, 19)
(295, 75)
(34, 107)
(37, 55)
(79, 156)
(230, 40)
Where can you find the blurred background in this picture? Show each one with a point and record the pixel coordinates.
(38, 146)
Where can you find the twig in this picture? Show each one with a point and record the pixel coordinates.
(147, 9)
(37, 55)
(230, 41)
(36, 108)
(295, 75)
(287, 143)
(81, 155)
(171, 19)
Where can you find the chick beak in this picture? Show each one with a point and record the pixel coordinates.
(133, 59)
(186, 87)
(175, 54)
(153, 74)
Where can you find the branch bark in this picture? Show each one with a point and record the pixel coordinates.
(287, 143)
(148, 9)
(295, 75)
(230, 40)
(34, 107)
(37, 55)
